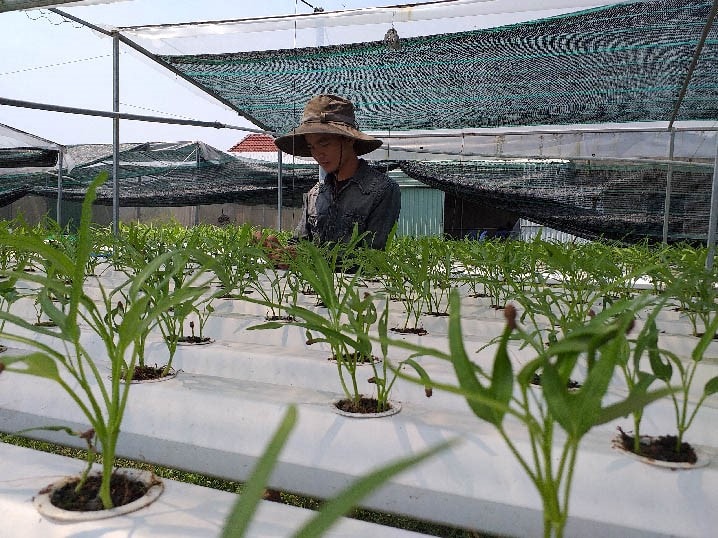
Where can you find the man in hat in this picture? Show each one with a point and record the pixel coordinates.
(352, 193)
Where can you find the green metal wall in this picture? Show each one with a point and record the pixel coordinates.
(422, 208)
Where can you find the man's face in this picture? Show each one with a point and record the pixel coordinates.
(328, 150)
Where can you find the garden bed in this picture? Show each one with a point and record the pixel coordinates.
(218, 413)
(183, 510)
(219, 426)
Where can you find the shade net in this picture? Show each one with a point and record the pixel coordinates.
(162, 175)
(20, 183)
(616, 65)
(590, 199)
(27, 157)
(620, 63)
(157, 174)
(26, 163)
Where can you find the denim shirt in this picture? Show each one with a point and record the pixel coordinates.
(369, 199)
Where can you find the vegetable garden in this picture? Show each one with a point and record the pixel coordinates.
(517, 383)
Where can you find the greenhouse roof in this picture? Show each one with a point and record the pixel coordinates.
(621, 62)
(14, 5)
(589, 108)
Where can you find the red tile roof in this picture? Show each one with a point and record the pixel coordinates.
(254, 143)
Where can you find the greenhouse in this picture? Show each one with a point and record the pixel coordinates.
(533, 353)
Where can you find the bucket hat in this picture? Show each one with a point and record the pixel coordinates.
(326, 114)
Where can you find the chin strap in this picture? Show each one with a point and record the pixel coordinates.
(341, 158)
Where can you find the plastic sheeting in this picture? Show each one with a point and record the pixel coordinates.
(16, 5)
(15, 138)
(637, 142)
(347, 26)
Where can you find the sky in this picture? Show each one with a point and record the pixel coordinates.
(46, 59)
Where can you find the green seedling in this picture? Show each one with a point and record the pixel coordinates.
(230, 253)
(494, 396)
(663, 363)
(348, 316)
(630, 364)
(407, 268)
(62, 356)
(276, 287)
(385, 375)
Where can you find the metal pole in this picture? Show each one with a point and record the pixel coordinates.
(58, 211)
(154, 57)
(279, 190)
(125, 115)
(711, 240)
(669, 179)
(116, 134)
(197, 165)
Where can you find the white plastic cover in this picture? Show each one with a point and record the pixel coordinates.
(637, 141)
(15, 138)
(347, 26)
(16, 5)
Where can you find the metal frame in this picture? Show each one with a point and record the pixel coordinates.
(116, 115)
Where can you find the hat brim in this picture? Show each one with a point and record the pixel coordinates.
(294, 142)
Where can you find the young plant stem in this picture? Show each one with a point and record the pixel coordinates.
(491, 397)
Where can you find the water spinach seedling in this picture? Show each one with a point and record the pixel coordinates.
(693, 287)
(277, 287)
(346, 317)
(630, 363)
(406, 278)
(231, 255)
(61, 355)
(386, 373)
(685, 371)
(550, 460)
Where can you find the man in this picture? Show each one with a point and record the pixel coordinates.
(352, 193)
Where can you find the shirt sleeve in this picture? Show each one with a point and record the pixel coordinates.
(384, 215)
(301, 231)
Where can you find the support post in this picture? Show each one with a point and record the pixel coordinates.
(711, 235)
(669, 181)
(115, 134)
(197, 164)
(58, 211)
(279, 190)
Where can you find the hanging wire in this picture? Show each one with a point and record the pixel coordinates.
(48, 66)
(43, 15)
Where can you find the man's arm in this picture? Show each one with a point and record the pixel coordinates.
(383, 217)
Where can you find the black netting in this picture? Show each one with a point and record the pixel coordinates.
(26, 157)
(588, 199)
(14, 186)
(9, 196)
(622, 63)
(236, 182)
(164, 175)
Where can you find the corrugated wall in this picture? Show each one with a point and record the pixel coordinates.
(422, 208)
(529, 230)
